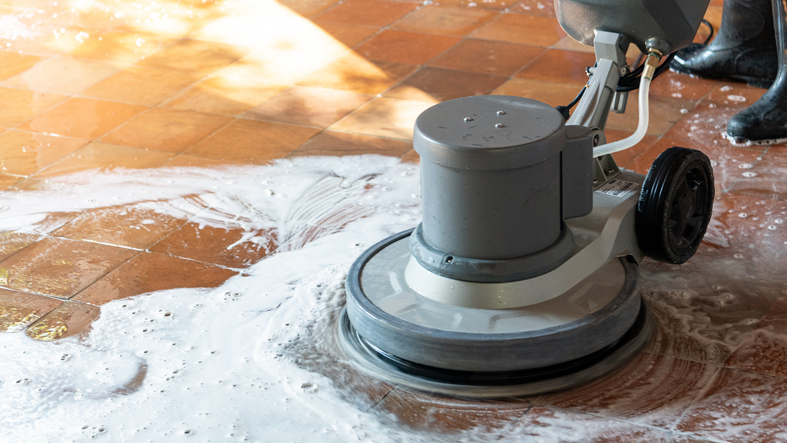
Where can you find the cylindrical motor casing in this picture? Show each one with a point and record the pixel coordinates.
(491, 176)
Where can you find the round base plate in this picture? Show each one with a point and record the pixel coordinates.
(469, 384)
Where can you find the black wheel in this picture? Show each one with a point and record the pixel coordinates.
(675, 205)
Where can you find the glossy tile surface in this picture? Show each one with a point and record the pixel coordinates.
(109, 86)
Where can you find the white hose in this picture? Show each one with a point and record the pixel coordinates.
(642, 125)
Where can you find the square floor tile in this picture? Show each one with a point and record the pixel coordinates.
(487, 57)
(560, 66)
(148, 272)
(493, 5)
(308, 106)
(405, 47)
(765, 349)
(671, 84)
(652, 390)
(166, 129)
(6, 181)
(535, 7)
(430, 84)
(356, 74)
(11, 242)
(25, 153)
(134, 226)
(307, 8)
(705, 124)
(83, 118)
(445, 415)
(220, 95)
(346, 34)
(195, 56)
(435, 19)
(553, 94)
(740, 406)
(253, 142)
(21, 106)
(339, 144)
(67, 320)
(62, 75)
(367, 12)
(60, 268)
(522, 29)
(105, 156)
(542, 423)
(126, 48)
(663, 115)
(18, 310)
(141, 86)
(765, 178)
(12, 63)
(226, 247)
(384, 117)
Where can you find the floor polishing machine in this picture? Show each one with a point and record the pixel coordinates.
(523, 276)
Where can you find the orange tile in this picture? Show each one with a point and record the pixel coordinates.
(129, 226)
(307, 8)
(366, 12)
(106, 156)
(61, 75)
(60, 268)
(6, 181)
(67, 320)
(535, 7)
(560, 66)
(740, 406)
(487, 57)
(189, 161)
(405, 47)
(411, 157)
(384, 117)
(705, 124)
(765, 178)
(734, 95)
(348, 35)
(569, 44)
(553, 94)
(195, 56)
(639, 157)
(25, 153)
(356, 74)
(765, 349)
(21, 106)
(543, 423)
(444, 84)
(663, 114)
(13, 63)
(307, 106)
(651, 390)
(125, 48)
(494, 5)
(141, 86)
(166, 129)
(434, 19)
(673, 85)
(11, 242)
(225, 247)
(439, 414)
(148, 272)
(18, 310)
(339, 144)
(220, 95)
(83, 118)
(253, 141)
(523, 29)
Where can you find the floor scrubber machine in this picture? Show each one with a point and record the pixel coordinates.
(523, 276)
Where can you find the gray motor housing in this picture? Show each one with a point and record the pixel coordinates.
(499, 174)
(666, 25)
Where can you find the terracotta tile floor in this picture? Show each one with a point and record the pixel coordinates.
(84, 87)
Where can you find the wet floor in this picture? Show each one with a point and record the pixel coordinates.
(146, 92)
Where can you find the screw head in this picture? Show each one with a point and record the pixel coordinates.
(501, 112)
(499, 125)
(468, 119)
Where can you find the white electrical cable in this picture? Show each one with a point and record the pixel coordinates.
(642, 125)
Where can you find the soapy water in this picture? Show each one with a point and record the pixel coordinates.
(256, 358)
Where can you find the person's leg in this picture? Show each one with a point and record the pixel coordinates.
(743, 50)
(766, 119)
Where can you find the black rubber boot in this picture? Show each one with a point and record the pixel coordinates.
(766, 120)
(744, 49)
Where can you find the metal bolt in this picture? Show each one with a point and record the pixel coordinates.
(501, 112)
(610, 171)
(499, 125)
(468, 119)
(595, 181)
